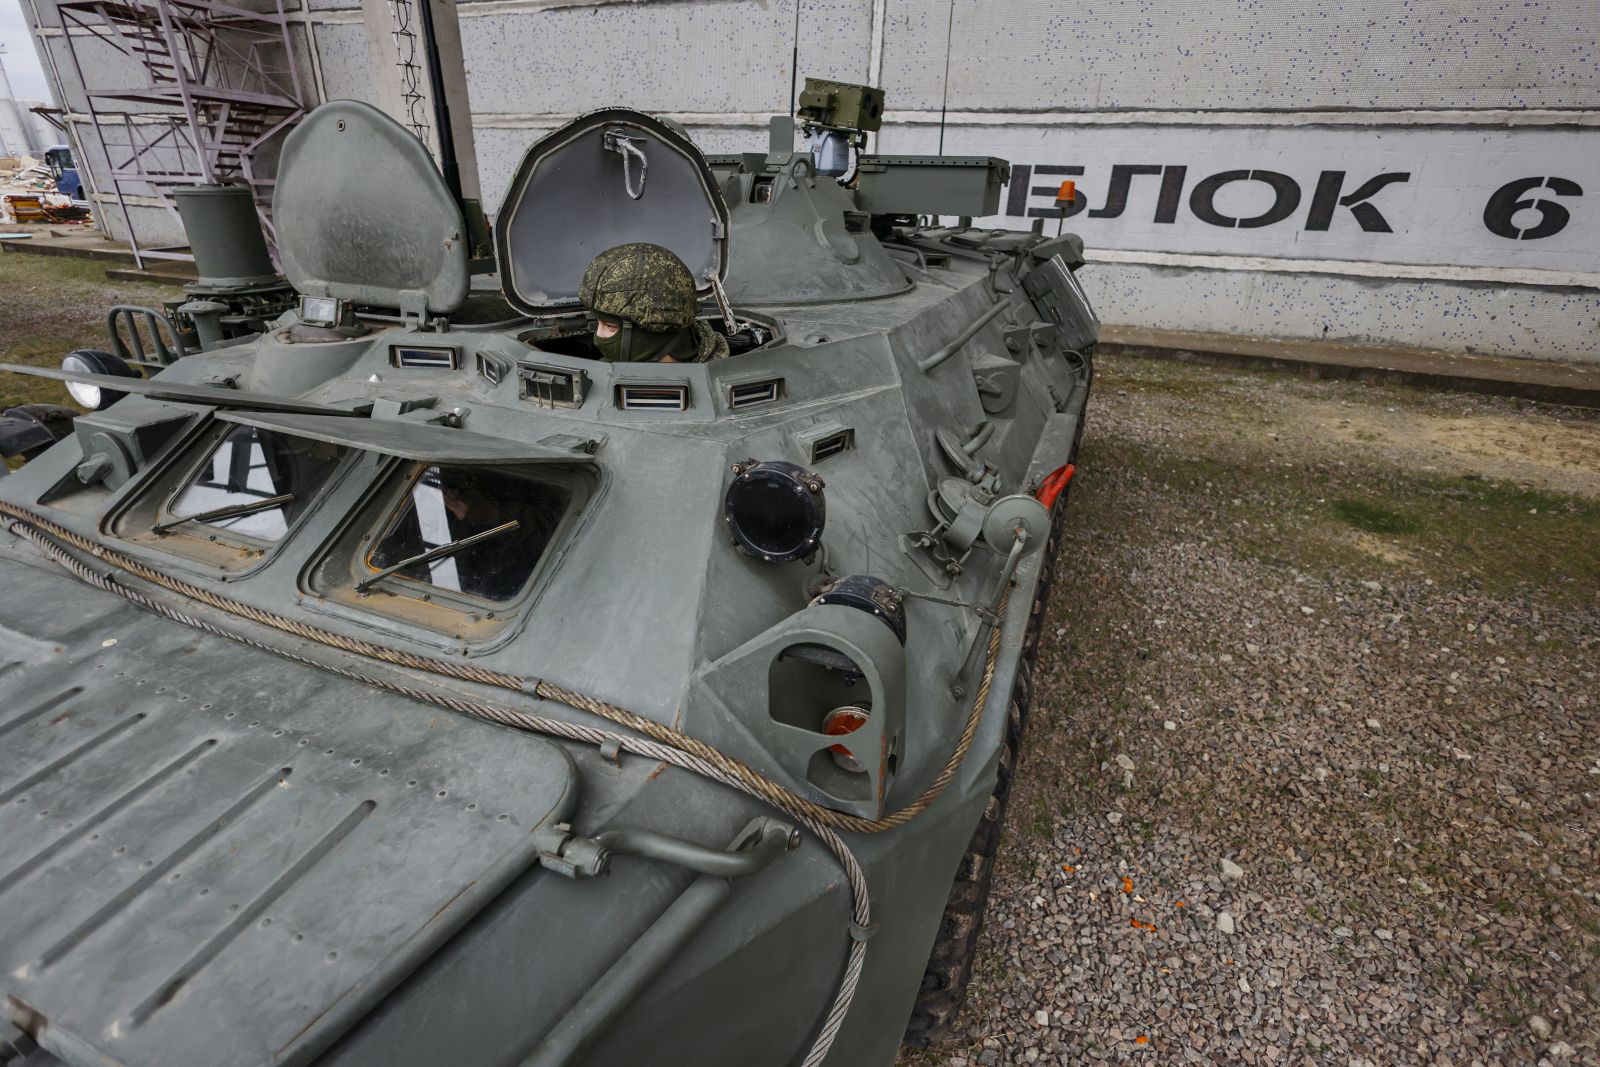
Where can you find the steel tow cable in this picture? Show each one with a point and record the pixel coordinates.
(672, 747)
(769, 790)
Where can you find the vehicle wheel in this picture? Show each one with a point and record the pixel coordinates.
(944, 982)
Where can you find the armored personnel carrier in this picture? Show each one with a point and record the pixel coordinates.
(405, 685)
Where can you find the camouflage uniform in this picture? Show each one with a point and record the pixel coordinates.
(650, 294)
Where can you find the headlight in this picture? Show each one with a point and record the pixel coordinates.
(323, 311)
(94, 361)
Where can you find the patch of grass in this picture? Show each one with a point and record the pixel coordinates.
(1373, 518)
(1508, 535)
(62, 271)
(1517, 499)
(50, 305)
(1267, 495)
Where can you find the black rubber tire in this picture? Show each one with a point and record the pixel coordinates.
(944, 982)
(949, 969)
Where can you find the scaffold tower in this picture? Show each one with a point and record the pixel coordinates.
(219, 87)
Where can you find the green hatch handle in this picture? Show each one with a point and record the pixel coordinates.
(615, 140)
(927, 363)
(758, 844)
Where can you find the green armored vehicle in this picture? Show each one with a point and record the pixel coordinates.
(406, 685)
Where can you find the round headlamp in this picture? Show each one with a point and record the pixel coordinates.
(94, 361)
(775, 510)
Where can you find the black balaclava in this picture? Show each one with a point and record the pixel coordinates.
(633, 345)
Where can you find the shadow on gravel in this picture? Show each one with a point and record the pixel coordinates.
(1314, 770)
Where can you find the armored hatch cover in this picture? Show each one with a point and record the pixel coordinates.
(209, 855)
(362, 213)
(607, 178)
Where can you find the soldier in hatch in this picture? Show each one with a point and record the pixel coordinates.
(644, 303)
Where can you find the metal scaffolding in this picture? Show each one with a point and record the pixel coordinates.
(219, 85)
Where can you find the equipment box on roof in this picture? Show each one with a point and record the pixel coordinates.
(931, 185)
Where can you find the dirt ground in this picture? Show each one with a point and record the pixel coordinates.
(50, 305)
(1313, 775)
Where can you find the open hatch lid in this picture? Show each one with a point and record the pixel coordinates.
(362, 214)
(608, 178)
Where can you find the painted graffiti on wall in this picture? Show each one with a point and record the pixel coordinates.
(1525, 198)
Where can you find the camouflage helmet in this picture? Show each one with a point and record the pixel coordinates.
(642, 284)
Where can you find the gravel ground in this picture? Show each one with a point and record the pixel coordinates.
(1313, 774)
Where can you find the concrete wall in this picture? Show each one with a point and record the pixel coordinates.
(1411, 172)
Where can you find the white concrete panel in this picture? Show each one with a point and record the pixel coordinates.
(155, 147)
(1439, 212)
(265, 7)
(104, 66)
(346, 70)
(702, 55)
(1249, 54)
(48, 16)
(499, 152)
(1500, 320)
(300, 46)
(155, 225)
